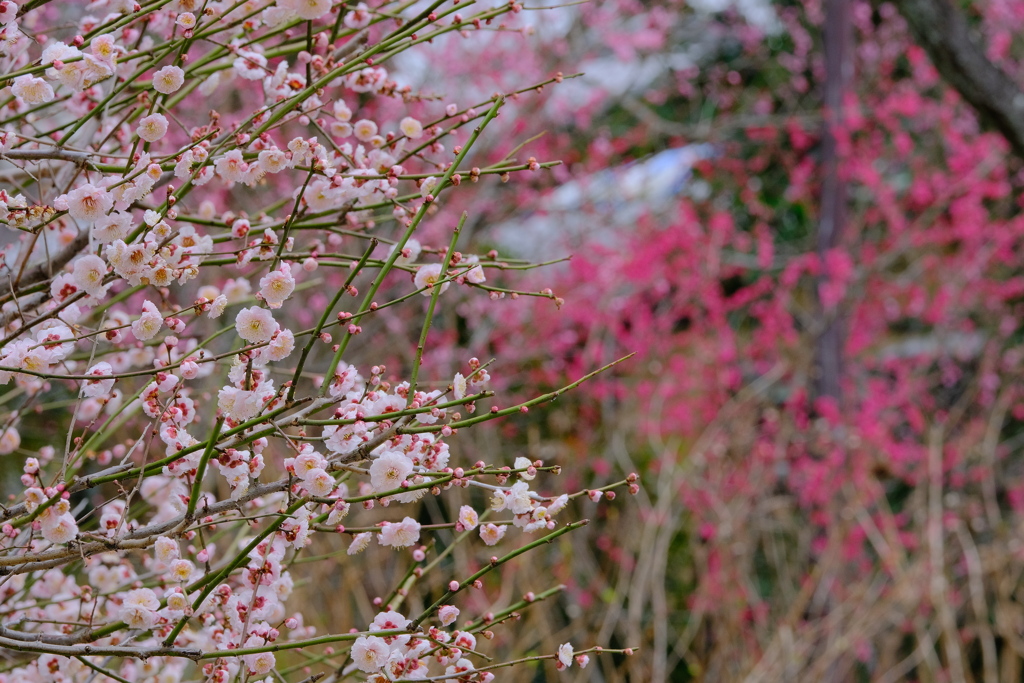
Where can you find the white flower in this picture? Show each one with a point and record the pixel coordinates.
(277, 285)
(113, 227)
(88, 274)
(318, 482)
(152, 127)
(370, 653)
(218, 306)
(492, 533)
(389, 471)
(468, 518)
(169, 78)
(273, 160)
(389, 621)
(358, 17)
(410, 252)
(522, 463)
(101, 386)
(181, 571)
(165, 550)
(342, 112)
(360, 543)
(88, 203)
(307, 9)
(260, 663)
(519, 500)
(427, 276)
(59, 528)
(255, 325)
(459, 386)
(411, 128)
(231, 167)
(365, 129)
(185, 20)
(138, 609)
(8, 11)
(565, 655)
(448, 614)
(250, 65)
(149, 323)
(32, 90)
(400, 534)
(280, 347)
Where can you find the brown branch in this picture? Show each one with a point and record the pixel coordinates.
(942, 31)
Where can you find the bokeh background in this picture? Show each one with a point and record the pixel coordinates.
(807, 229)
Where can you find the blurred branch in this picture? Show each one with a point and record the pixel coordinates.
(941, 29)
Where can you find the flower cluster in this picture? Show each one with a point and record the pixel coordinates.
(213, 207)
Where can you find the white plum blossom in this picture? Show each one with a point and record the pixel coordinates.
(277, 285)
(427, 276)
(307, 10)
(448, 614)
(152, 128)
(360, 542)
(259, 663)
(255, 325)
(411, 128)
(459, 387)
(389, 470)
(565, 654)
(139, 608)
(364, 129)
(358, 17)
(169, 78)
(88, 274)
(32, 90)
(400, 534)
(492, 533)
(468, 518)
(149, 323)
(59, 528)
(101, 386)
(370, 653)
(112, 227)
(88, 203)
